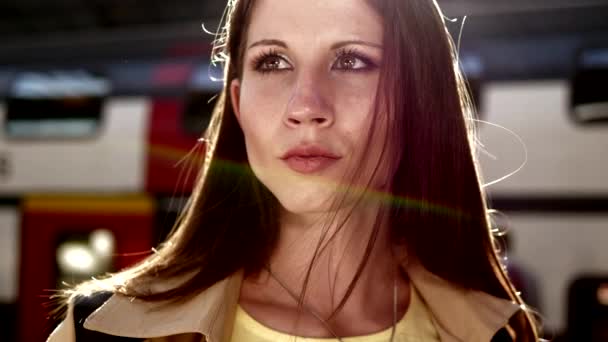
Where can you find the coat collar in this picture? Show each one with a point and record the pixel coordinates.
(459, 314)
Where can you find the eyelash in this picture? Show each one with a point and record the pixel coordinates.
(261, 58)
(351, 52)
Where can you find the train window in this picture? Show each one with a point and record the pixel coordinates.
(600, 324)
(197, 111)
(82, 256)
(602, 294)
(589, 91)
(205, 88)
(55, 105)
(588, 309)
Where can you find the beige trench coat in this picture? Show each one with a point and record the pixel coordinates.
(459, 315)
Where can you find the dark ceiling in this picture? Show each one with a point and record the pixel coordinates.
(35, 18)
(545, 34)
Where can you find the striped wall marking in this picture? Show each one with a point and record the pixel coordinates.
(9, 252)
(82, 204)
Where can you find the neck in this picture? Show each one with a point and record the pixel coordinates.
(322, 256)
(329, 250)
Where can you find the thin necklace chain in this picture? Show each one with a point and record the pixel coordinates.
(320, 319)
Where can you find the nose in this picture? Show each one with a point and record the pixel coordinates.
(308, 105)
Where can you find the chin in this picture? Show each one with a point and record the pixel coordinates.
(305, 202)
(304, 208)
(298, 194)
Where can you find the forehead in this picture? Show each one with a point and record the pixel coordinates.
(310, 21)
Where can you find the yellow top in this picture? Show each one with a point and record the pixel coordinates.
(415, 326)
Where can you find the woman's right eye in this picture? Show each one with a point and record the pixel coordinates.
(271, 62)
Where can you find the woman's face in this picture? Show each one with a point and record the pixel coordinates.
(304, 100)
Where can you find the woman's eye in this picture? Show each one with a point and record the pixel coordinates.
(352, 62)
(345, 61)
(272, 63)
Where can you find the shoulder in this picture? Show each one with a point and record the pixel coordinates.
(84, 305)
(117, 313)
(80, 307)
(502, 336)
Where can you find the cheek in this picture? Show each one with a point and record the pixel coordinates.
(259, 119)
(262, 101)
(354, 110)
(255, 139)
(367, 132)
(354, 97)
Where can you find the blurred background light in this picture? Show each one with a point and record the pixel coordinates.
(102, 241)
(76, 258)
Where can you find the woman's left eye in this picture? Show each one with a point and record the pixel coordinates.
(352, 61)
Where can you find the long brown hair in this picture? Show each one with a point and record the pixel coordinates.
(437, 210)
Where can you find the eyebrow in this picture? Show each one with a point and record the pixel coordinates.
(333, 47)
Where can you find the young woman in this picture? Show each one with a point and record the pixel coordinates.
(339, 198)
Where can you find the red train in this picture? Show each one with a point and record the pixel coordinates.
(90, 162)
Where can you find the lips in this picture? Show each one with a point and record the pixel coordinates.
(309, 159)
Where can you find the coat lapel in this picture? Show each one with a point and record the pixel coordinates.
(210, 313)
(459, 315)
